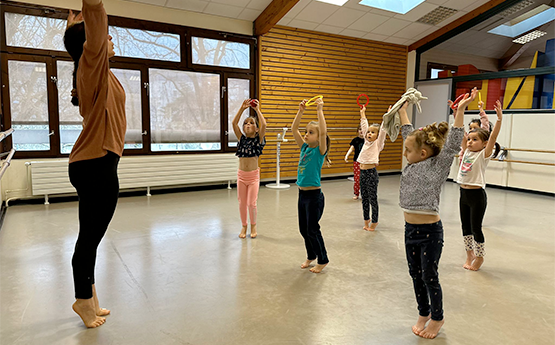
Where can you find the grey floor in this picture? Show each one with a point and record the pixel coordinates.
(173, 271)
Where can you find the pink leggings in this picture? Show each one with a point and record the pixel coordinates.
(248, 183)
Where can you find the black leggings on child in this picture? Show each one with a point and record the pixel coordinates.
(423, 246)
(97, 185)
(311, 208)
(369, 180)
(473, 203)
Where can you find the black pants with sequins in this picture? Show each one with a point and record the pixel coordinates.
(423, 245)
(369, 180)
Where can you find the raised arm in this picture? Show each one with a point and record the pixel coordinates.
(235, 122)
(96, 29)
(484, 121)
(403, 114)
(467, 99)
(496, 129)
(92, 2)
(323, 128)
(296, 122)
(363, 122)
(261, 121)
(464, 143)
(381, 138)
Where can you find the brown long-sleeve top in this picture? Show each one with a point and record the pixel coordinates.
(101, 96)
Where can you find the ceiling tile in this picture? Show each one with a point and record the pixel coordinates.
(368, 22)
(458, 4)
(249, 14)
(284, 21)
(353, 33)
(451, 19)
(396, 40)
(297, 8)
(189, 5)
(412, 30)
(417, 12)
(329, 29)
(259, 4)
(317, 12)
(391, 26)
(343, 17)
(223, 10)
(238, 3)
(375, 37)
(437, 2)
(295, 23)
(354, 4)
(382, 12)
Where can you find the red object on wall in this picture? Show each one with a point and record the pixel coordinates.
(495, 92)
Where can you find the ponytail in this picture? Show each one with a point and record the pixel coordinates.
(328, 144)
(74, 95)
(74, 38)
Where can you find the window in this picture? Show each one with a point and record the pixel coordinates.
(29, 105)
(212, 52)
(145, 44)
(34, 32)
(131, 82)
(184, 110)
(237, 91)
(70, 119)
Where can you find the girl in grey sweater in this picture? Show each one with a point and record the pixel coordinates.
(429, 151)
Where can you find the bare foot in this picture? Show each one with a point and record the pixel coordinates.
(431, 331)
(373, 226)
(253, 231)
(420, 324)
(99, 311)
(85, 309)
(307, 263)
(469, 258)
(366, 225)
(243, 233)
(318, 268)
(477, 263)
(355, 197)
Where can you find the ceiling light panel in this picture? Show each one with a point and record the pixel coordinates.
(438, 15)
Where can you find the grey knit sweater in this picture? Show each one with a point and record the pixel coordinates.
(421, 182)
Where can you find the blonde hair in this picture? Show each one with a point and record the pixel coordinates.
(328, 141)
(433, 136)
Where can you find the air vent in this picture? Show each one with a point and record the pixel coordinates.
(438, 15)
(530, 37)
(516, 8)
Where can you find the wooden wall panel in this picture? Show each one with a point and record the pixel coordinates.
(297, 64)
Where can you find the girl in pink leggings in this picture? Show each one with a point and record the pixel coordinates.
(250, 146)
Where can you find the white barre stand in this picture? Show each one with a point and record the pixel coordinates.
(278, 185)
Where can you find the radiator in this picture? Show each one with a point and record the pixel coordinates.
(51, 176)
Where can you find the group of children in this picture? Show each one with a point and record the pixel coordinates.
(429, 152)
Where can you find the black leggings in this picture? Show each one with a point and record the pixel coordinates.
(97, 185)
(473, 205)
(369, 180)
(311, 208)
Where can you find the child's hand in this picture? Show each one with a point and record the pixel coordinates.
(246, 103)
(499, 110)
(302, 105)
(72, 18)
(257, 104)
(481, 105)
(465, 136)
(346, 159)
(467, 99)
(362, 110)
(389, 109)
(319, 103)
(450, 102)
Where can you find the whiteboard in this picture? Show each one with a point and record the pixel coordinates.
(435, 108)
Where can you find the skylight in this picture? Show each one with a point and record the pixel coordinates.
(334, 2)
(525, 25)
(397, 6)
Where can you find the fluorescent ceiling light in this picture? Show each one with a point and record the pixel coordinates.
(397, 6)
(334, 2)
(530, 37)
(525, 25)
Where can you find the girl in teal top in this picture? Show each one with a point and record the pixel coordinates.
(314, 148)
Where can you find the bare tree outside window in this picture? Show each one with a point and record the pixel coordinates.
(184, 110)
(145, 44)
(131, 82)
(212, 52)
(34, 32)
(237, 91)
(29, 105)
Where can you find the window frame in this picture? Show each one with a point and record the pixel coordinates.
(121, 62)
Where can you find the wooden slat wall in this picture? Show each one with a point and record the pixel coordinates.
(297, 64)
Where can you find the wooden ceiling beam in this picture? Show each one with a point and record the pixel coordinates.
(272, 15)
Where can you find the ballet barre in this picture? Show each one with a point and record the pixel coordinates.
(5, 134)
(280, 139)
(527, 150)
(526, 162)
(7, 162)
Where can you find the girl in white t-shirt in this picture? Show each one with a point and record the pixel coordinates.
(478, 147)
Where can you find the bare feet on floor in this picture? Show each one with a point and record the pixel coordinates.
(373, 226)
(431, 331)
(355, 197)
(306, 264)
(420, 324)
(318, 268)
(469, 258)
(477, 263)
(86, 310)
(243, 233)
(99, 311)
(253, 231)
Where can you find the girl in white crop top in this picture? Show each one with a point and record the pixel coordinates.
(478, 147)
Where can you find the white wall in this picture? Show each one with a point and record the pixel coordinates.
(160, 14)
(522, 131)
